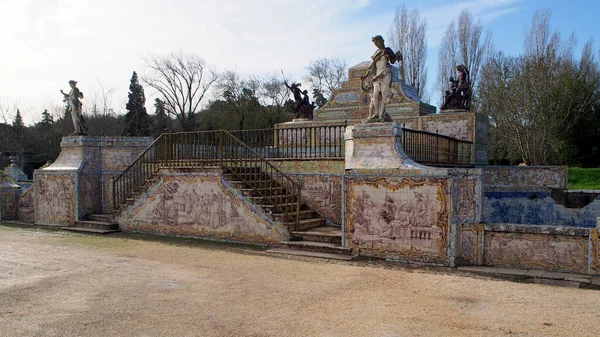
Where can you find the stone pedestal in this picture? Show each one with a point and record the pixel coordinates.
(79, 182)
(376, 146)
(9, 198)
(14, 171)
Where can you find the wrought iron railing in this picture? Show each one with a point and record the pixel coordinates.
(435, 149)
(212, 149)
(237, 150)
(303, 142)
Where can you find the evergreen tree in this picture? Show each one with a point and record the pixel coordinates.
(318, 97)
(137, 120)
(19, 128)
(18, 122)
(162, 122)
(47, 119)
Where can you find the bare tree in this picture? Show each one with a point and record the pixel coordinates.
(99, 103)
(239, 94)
(462, 44)
(326, 75)
(182, 81)
(408, 35)
(536, 99)
(273, 94)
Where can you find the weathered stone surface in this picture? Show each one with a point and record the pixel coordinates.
(79, 182)
(376, 146)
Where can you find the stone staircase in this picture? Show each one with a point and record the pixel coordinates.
(311, 236)
(95, 224)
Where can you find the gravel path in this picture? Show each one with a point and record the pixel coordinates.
(66, 284)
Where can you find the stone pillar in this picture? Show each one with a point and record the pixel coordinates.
(79, 182)
(376, 146)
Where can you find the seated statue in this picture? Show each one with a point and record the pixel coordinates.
(459, 95)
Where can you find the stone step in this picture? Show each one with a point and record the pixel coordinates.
(282, 208)
(239, 184)
(304, 214)
(244, 169)
(330, 234)
(305, 224)
(97, 225)
(320, 247)
(90, 230)
(104, 217)
(253, 192)
(284, 251)
(282, 198)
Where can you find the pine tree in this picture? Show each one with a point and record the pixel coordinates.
(162, 122)
(19, 128)
(47, 119)
(137, 120)
(18, 124)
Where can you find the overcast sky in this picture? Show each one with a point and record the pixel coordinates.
(99, 43)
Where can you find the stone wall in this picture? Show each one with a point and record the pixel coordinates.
(200, 205)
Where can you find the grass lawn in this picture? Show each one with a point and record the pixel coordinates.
(584, 178)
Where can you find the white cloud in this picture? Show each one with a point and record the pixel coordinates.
(48, 42)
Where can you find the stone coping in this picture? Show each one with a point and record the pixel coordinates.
(105, 141)
(536, 229)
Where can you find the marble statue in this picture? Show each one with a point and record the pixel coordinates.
(379, 75)
(72, 98)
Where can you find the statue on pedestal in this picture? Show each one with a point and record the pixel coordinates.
(379, 76)
(303, 108)
(459, 95)
(72, 98)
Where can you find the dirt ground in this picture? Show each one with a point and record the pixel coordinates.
(63, 284)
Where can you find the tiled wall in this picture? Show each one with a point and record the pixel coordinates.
(399, 218)
(200, 205)
(55, 198)
(26, 205)
(521, 195)
(547, 248)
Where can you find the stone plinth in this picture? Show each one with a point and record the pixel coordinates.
(350, 103)
(79, 182)
(376, 146)
(14, 171)
(9, 194)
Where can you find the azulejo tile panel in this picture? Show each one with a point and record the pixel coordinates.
(324, 194)
(469, 244)
(402, 218)
(311, 166)
(524, 178)
(536, 208)
(547, 252)
(199, 206)
(8, 204)
(26, 205)
(55, 199)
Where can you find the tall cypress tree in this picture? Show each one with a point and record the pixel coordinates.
(137, 120)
